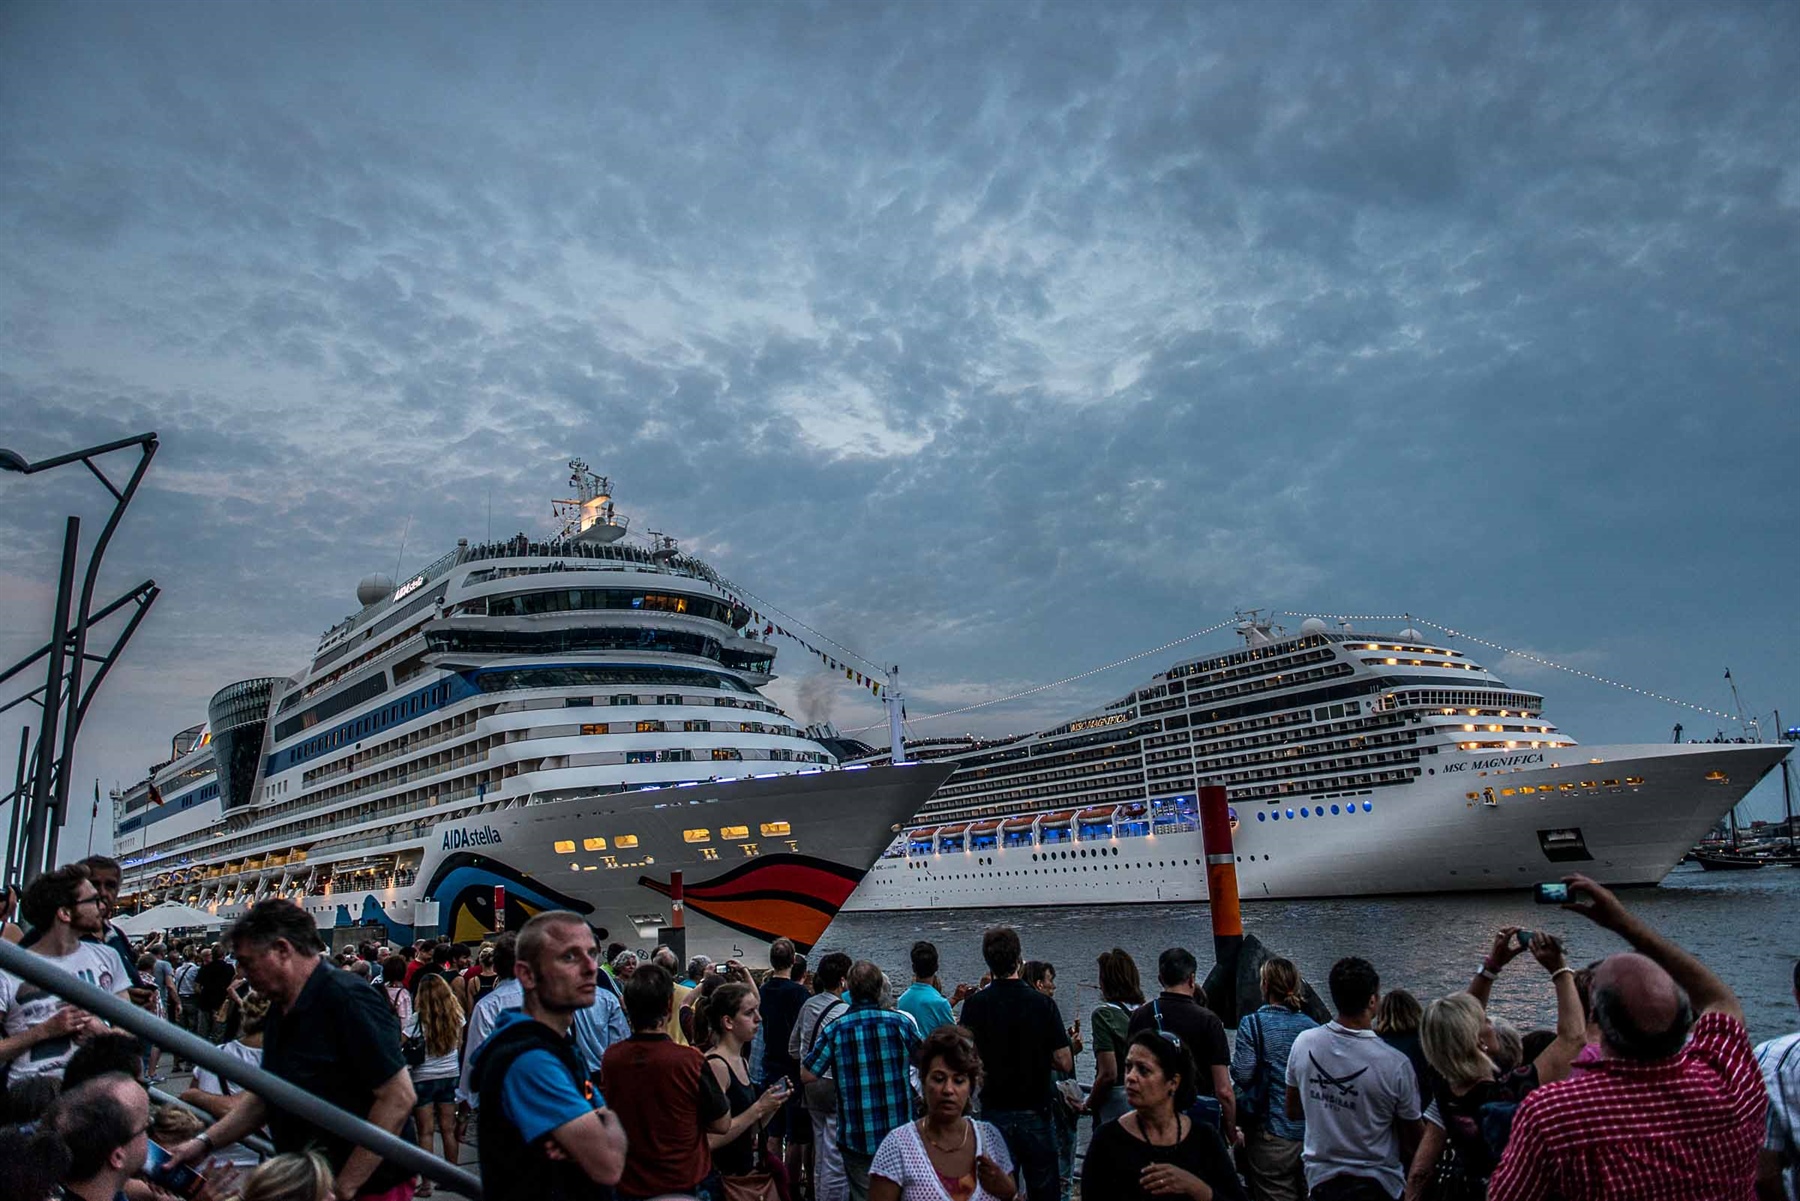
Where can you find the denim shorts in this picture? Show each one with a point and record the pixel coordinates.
(435, 1092)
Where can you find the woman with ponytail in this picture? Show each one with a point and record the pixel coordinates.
(1259, 1061)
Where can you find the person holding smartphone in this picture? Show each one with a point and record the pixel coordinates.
(732, 1016)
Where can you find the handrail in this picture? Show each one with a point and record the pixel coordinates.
(270, 1087)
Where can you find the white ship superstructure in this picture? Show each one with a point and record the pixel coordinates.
(1356, 763)
(573, 723)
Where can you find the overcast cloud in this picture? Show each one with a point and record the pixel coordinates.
(999, 340)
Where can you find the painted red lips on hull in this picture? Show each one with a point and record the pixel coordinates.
(773, 896)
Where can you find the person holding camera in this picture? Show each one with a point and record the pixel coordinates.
(1675, 1106)
(1472, 1095)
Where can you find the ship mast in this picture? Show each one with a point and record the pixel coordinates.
(895, 710)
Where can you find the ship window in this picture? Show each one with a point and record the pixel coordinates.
(726, 753)
(734, 831)
(649, 727)
(1718, 777)
(1334, 811)
(625, 842)
(696, 835)
(1290, 814)
(775, 829)
(624, 699)
(593, 844)
(697, 726)
(565, 846)
(1566, 787)
(1634, 781)
(1509, 792)
(594, 728)
(1368, 806)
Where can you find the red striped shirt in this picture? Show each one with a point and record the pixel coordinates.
(1686, 1128)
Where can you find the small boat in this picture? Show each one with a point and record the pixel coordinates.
(1728, 861)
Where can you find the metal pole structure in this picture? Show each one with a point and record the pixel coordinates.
(78, 652)
(271, 1088)
(37, 828)
(13, 823)
(15, 849)
(896, 736)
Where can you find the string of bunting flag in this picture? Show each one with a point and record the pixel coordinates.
(766, 620)
(1526, 655)
(1001, 700)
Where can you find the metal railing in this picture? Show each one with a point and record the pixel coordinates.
(271, 1088)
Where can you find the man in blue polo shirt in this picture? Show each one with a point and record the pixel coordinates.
(545, 1131)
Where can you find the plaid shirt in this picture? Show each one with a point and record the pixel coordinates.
(1686, 1128)
(868, 1052)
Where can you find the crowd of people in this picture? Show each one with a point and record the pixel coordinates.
(583, 1071)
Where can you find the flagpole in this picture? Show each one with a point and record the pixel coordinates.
(94, 817)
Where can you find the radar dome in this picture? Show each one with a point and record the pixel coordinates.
(1411, 635)
(1312, 625)
(374, 588)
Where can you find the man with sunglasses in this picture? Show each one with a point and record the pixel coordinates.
(41, 1030)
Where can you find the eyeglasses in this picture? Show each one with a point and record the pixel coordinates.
(93, 900)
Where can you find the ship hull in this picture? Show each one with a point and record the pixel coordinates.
(1427, 836)
(740, 892)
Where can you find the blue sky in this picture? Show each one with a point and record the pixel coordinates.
(1002, 341)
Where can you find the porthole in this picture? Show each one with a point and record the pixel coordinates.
(1261, 817)
(1290, 814)
(1334, 811)
(1368, 806)
(1303, 811)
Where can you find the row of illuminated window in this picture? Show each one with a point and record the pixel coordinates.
(1349, 808)
(620, 842)
(626, 842)
(1421, 663)
(1512, 744)
(691, 726)
(1524, 703)
(565, 600)
(724, 754)
(1531, 790)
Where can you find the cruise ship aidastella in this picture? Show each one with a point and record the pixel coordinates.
(1355, 763)
(521, 726)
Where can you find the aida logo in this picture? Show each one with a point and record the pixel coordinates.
(457, 839)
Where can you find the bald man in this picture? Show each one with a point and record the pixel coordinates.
(1672, 1109)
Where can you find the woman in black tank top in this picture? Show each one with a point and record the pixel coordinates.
(733, 1014)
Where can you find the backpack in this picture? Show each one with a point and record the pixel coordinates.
(1253, 1098)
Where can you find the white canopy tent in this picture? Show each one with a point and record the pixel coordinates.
(170, 915)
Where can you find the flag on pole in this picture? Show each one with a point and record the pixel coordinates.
(96, 813)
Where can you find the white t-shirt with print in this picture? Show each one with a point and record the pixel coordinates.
(24, 1005)
(1354, 1089)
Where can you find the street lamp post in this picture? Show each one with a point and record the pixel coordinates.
(68, 646)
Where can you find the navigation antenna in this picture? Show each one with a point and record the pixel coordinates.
(662, 546)
(1748, 724)
(588, 516)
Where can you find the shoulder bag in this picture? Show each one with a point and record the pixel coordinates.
(751, 1186)
(820, 1095)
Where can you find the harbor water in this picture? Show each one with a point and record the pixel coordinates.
(1740, 924)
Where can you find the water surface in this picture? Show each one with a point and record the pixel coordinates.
(1743, 925)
